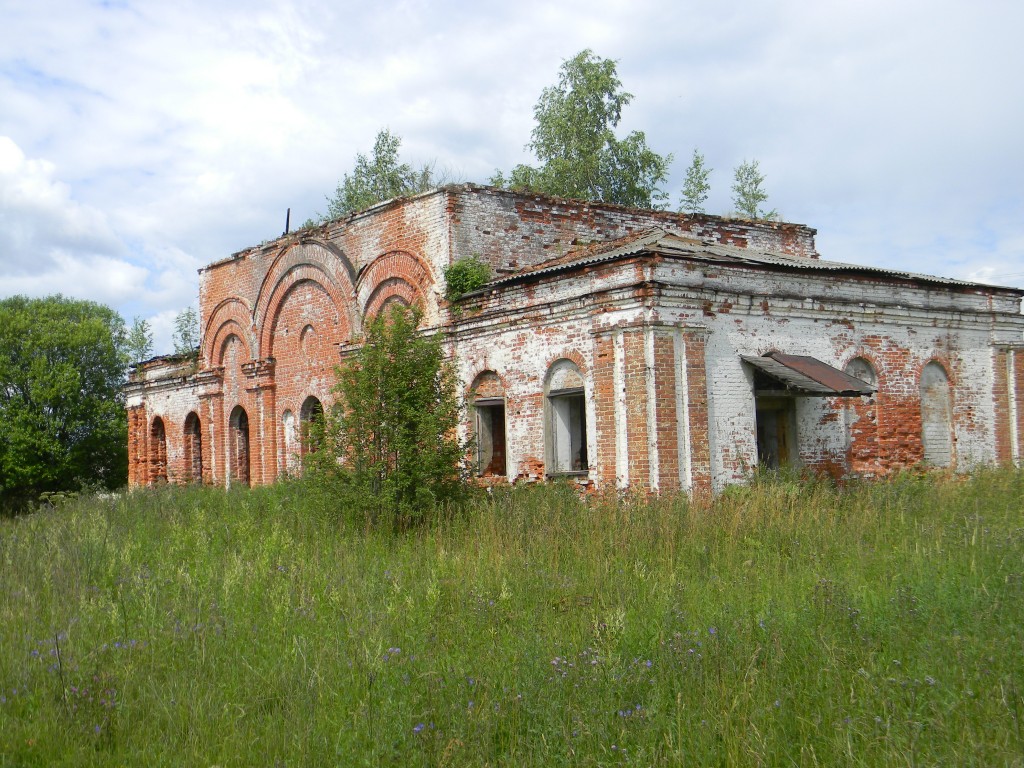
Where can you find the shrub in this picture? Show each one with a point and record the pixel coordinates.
(390, 449)
(465, 275)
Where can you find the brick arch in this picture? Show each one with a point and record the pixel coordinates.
(313, 260)
(486, 382)
(566, 354)
(228, 330)
(392, 291)
(231, 316)
(395, 276)
(871, 357)
(943, 362)
(286, 285)
(861, 368)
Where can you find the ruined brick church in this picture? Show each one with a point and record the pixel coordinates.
(621, 348)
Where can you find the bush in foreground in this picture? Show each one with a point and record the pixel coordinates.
(390, 448)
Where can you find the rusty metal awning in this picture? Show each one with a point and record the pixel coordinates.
(776, 373)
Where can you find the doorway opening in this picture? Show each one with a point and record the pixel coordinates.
(776, 431)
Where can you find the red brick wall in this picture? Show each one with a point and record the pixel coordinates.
(666, 420)
(695, 341)
(635, 383)
(604, 407)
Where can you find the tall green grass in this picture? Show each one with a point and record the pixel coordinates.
(783, 624)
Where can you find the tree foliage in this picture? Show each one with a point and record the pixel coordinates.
(696, 186)
(377, 178)
(574, 140)
(186, 333)
(748, 192)
(139, 343)
(390, 449)
(62, 417)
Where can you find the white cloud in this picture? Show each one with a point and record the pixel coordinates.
(50, 242)
(38, 219)
(86, 276)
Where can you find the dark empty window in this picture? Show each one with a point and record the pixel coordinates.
(490, 437)
(193, 449)
(487, 396)
(311, 416)
(157, 452)
(238, 445)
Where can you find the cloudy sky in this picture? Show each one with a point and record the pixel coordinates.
(142, 139)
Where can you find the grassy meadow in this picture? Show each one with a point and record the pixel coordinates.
(782, 624)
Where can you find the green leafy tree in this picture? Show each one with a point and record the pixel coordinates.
(377, 178)
(390, 448)
(186, 333)
(696, 186)
(62, 417)
(574, 140)
(748, 192)
(139, 343)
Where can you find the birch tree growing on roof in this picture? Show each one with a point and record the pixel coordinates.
(379, 177)
(748, 192)
(575, 141)
(696, 186)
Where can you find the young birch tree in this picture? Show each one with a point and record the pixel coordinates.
(696, 186)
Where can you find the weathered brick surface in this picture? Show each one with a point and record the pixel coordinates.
(658, 338)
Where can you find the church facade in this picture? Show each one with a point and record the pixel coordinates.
(620, 348)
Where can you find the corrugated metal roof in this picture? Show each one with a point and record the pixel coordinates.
(806, 375)
(671, 244)
(615, 249)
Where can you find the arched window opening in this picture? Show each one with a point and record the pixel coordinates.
(157, 452)
(488, 401)
(238, 445)
(936, 416)
(193, 449)
(566, 419)
(312, 417)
